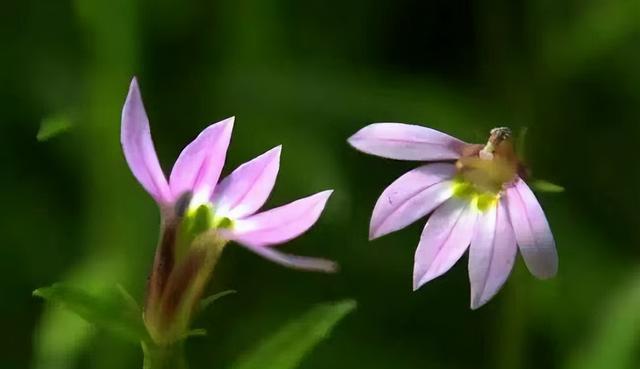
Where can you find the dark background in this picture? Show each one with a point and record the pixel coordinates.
(307, 75)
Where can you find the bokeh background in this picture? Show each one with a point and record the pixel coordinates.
(307, 75)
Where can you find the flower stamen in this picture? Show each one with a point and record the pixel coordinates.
(492, 168)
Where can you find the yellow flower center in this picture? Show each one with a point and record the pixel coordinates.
(480, 199)
(484, 172)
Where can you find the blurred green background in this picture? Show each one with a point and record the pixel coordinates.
(308, 74)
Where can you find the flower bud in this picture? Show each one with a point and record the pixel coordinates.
(188, 251)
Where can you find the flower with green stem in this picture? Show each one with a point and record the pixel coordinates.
(201, 216)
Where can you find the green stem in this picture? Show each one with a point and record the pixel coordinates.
(164, 357)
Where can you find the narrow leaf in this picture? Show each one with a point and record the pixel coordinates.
(112, 314)
(205, 302)
(546, 186)
(288, 346)
(52, 126)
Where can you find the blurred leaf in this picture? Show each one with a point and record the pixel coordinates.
(288, 346)
(596, 30)
(205, 302)
(52, 126)
(616, 342)
(113, 315)
(541, 185)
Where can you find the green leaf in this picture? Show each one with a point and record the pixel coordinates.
(289, 345)
(546, 186)
(115, 315)
(615, 344)
(205, 302)
(52, 126)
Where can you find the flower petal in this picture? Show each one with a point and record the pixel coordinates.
(410, 197)
(245, 190)
(137, 145)
(294, 261)
(280, 224)
(406, 142)
(491, 255)
(443, 241)
(199, 165)
(532, 231)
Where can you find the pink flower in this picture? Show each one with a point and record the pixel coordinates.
(477, 198)
(234, 202)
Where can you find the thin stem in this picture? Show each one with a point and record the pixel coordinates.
(164, 357)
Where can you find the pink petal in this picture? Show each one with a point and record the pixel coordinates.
(491, 255)
(406, 142)
(245, 190)
(410, 197)
(294, 261)
(280, 224)
(137, 145)
(532, 231)
(443, 241)
(199, 165)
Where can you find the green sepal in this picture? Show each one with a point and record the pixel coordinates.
(207, 301)
(128, 299)
(111, 313)
(541, 185)
(290, 344)
(196, 332)
(52, 126)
